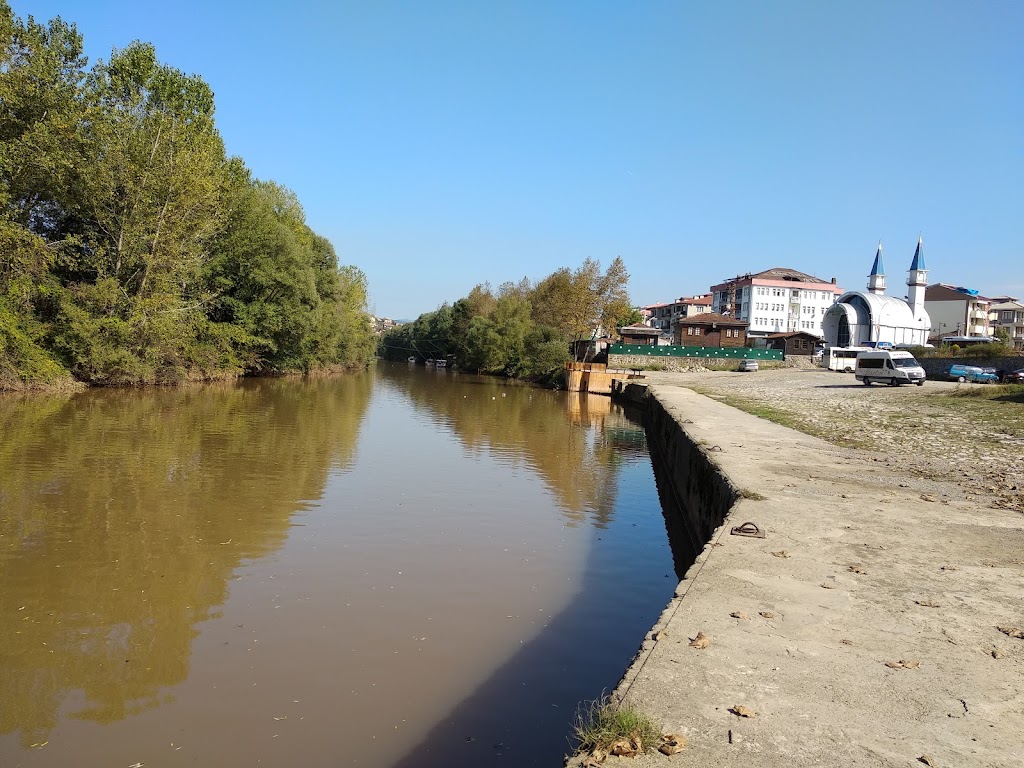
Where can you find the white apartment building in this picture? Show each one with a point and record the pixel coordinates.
(956, 311)
(778, 300)
(1009, 315)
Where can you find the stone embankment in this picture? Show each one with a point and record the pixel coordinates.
(877, 621)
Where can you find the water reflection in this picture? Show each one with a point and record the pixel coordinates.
(219, 575)
(577, 457)
(122, 517)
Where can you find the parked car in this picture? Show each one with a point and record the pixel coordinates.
(1015, 377)
(747, 365)
(971, 373)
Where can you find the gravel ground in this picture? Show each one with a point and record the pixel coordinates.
(925, 433)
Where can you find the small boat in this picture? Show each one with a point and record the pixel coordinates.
(430, 362)
(412, 359)
(441, 363)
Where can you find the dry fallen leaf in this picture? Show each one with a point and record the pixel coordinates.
(767, 615)
(672, 744)
(1012, 631)
(701, 641)
(903, 664)
(927, 497)
(595, 758)
(856, 569)
(927, 603)
(927, 760)
(659, 634)
(998, 653)
(846, 642)
(626, 748)
(739, 615)
(949, 568)
(741, 711)
(781, 553)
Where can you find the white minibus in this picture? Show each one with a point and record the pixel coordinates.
(892, 366)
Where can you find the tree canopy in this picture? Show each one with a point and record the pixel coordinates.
(132, 249)
(522, 330)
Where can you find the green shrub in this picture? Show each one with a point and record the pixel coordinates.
(602, 722)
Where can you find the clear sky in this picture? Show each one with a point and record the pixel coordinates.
(446, 143)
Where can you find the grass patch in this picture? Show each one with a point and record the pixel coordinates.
(1008, 393)
(601, 723)
(746, 493)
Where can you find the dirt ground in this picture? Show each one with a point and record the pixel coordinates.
(930, 432)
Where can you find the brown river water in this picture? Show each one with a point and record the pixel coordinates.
(403, 567)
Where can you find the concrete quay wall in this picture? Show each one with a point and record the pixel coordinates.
(864, 629)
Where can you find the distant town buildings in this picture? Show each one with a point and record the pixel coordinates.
(787, 309)
(664, 316)
(383, 324)
(778, 300)
(860, 318)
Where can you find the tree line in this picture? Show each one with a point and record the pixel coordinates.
(521, 330)
(133, 250)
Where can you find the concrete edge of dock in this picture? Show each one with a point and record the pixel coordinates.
(863, 629)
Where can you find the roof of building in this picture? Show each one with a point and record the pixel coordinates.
(634, 330)
(946, 292)
(790, 334)
(886, 311)
(711, 318)
(878, 268)
(700, 301)
(785, 273)
(918, 262)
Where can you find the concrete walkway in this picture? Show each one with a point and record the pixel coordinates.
(862, 631)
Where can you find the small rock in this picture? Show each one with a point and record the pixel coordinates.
(1012, 631)
(998, 653)
(739, 615)
(856, 569)
(927, 603)
(927, 760)
(781, 553)
(767, 615)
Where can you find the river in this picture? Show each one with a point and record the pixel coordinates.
(402, 567)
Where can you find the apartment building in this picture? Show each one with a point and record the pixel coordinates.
(664, 316)
(778, 300)
(1008, 314)
(956, 311)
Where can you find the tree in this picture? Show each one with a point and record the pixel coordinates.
(581, 303)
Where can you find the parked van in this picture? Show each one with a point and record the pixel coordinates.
(893, 366)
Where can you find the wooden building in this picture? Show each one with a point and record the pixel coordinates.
(639, 334)
(794, 342)
(709, 329)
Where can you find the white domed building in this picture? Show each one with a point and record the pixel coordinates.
(870, 318)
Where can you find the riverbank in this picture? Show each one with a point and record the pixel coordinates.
(865, 627)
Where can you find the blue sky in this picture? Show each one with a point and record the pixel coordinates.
(443, 144)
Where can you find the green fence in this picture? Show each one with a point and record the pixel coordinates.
(724, 353)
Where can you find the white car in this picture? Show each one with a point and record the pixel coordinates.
(747, 365)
